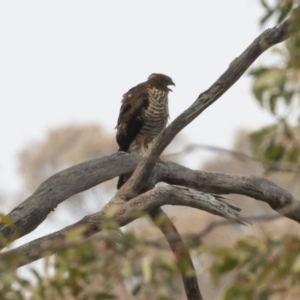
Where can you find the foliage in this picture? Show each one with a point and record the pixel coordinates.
(277, 143)
(116, 265)
(261, 268)
(279, 11)
(123, 265)
(277, 88)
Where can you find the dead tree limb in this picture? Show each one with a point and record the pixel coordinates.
(125, 212)
(181, 253)
(34, 210)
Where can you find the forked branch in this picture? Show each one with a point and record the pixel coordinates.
(124, 213)
(235, 70)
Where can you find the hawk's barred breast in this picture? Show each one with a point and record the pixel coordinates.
(155, 120)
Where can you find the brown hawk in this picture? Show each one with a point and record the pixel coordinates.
(143, 115)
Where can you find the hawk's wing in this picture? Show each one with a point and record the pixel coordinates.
(131, 116)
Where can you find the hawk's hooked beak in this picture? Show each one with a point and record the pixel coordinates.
(172, 83)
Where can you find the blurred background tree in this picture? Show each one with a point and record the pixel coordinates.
(62, 148)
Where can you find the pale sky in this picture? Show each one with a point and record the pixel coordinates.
(71, 61)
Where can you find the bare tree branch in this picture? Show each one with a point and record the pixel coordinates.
(192, 239)
(181, 253)
(277, 166)
(33, 211)
(252, 186)
(124, 213)
(59, 187)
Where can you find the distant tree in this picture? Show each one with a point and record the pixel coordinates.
(62, 148)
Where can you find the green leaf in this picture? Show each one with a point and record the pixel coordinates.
(258, 71)
(266, 269)
(264, 295)
(221, 266)
(228, 264)
(146, 269)
(288, 97)
(259, 261)
(136, 290)
(259, 138)
(264, 4)
(273, 243)
(58, 286)
(267, 85)
(296, 264)
(281, 17)
(294, 155)
(274, 152)
(6, 220)
(286, 128)
(273, 101)
(237, 293)
(284, 7)
(168, 264)
(101, 296)
(266, 17)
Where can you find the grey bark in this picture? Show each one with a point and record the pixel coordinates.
(125, 212)
(34, 210)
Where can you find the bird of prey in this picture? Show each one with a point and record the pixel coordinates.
(143, 115)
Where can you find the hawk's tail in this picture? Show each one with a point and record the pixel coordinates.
(122, 179)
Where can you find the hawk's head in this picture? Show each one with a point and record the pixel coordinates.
(160, 81)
